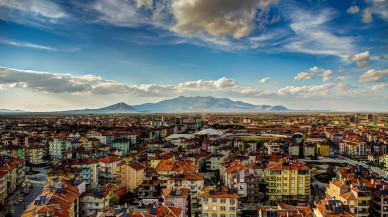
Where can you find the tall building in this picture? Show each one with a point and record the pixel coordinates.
(288, 181)
(132, 175)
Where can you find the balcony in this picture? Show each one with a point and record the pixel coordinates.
(364, 203)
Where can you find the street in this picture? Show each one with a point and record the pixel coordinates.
(348, 161)
(12, 201)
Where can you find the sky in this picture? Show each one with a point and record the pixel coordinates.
(312, 54)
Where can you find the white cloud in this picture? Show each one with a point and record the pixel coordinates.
(312, 90)
(27, 44)
(304, 76)
(326, 75)
(96, 85)
(119, 13)
(380, 7)
(315, 69)
(373, 75)
(264, 80)
(343, 78)
(367, 15)
(217, 17)
(354, 9)
(42, 8)
(361, 59)
(314, 36)
(378, 87)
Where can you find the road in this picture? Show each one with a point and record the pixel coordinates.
(348, 161)
(34, 192)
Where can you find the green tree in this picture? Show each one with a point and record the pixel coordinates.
(113, 200)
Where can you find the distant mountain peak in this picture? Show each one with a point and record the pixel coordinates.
(205, 104)
(121, 106)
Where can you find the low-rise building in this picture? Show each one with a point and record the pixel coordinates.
(219, 201)
(179, 198)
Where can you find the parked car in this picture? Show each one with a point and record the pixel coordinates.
(21, 199)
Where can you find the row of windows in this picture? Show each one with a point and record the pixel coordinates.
(222, 200)
(215, 215)
(222, 208)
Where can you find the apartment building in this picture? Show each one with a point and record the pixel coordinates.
(332, 208)
(3, 186)
(244, 179)
(107, 168)
(288, 180)
(380, 203)
(167, 168)
(179, 198)
(59, 198)
(191, 180)
(131, 175)
(58, 146)
(88, 170)
(219, 202)
(354, 148)
(92, 201)
(356, 195)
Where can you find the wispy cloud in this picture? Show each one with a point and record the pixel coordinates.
(313, 34)
(27, 44)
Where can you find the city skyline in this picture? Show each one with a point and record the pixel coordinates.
(301, 54)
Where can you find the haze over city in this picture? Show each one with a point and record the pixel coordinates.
(61, 55)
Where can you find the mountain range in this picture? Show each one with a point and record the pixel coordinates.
(182, 104)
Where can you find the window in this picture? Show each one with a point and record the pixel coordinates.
(292, 178)
(285, 191)
(293, 172)
(285, 179)
(351, 202)
(223, 200)
(285, 172)
(300, 179)
(278, 178)
(205, 207)
(222, 215)
(232, 201)
(300, 191)
(232, 208)
(214, 200)
(232, 215)
(96, 204)
(205, 215)
(214, 215)
(214, 208)
(285, 185)
(300, 185)
(222, 208)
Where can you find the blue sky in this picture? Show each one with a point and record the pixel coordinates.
(313, 54)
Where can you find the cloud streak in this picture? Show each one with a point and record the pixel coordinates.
(27, 45)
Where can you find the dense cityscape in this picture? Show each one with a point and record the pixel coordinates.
(179, 165)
